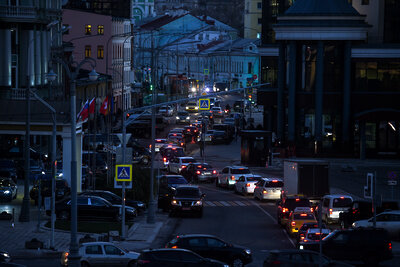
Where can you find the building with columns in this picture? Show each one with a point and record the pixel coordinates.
(334, 91)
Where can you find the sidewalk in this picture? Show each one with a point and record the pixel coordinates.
(12, 239)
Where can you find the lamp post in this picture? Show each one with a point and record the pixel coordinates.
(73, 250)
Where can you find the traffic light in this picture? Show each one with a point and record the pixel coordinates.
(250, 97)
(151, 87)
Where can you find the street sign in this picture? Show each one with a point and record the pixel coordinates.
(206, 71)
(128, 155)
(255, 77)
(127, 137)
(204, 104)
(123, 173)
(128, 185)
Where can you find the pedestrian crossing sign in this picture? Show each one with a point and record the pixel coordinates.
(204, 104)
(123, 173)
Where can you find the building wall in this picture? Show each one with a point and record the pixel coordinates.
(252, 19)
(142, 9)
(374, 11)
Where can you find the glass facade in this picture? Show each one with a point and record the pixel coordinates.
(377, 76)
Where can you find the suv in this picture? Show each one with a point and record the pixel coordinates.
(213, 247)
(364, 244)
(332, 205)
(228, 129)
(288, 204)
(187, 198)
(230, 174)
(166, 189)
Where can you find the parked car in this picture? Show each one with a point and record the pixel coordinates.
(287, 204)
(166, 111)
(177, 164)
(92, 207)
(246, 184)
(367, 245)
(103, 254)
(230, 174)
(182, 117)
(268, 189)
(200, 172)
(388, 220)
(8, 189)
(166, 189)
(299, 258)
(210, 246)
(176, 258)
(44, 181)
(115, 199)
(187, 199)
(332, 205)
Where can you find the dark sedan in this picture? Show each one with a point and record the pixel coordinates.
(92, 207)
(210, 246)
(115, 199)
(8, 189)
(199, 172)
(182, 117)
(166, 189)
(187, 198)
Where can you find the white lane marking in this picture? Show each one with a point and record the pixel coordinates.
(240, 203)
(226, 204)
(210, 203)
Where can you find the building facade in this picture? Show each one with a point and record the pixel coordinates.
(142, 9)
(252, 19)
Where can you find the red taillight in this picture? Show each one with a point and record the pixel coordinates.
(297, 199)
(390, 246)
(183, 166)
(174, 247)
(214, 171)
(285, 210)
(232, 178)
(293, 223)
(303, 214)
(198, 172)
(330, 211)
(143, 261)
(165, 159)
(301, 236)
(312, 209)
(274, 181)
(181, 144)
(247, 185)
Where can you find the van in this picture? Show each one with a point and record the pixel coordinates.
(333, 205)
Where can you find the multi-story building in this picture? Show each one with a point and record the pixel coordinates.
(337, 66)
(142, 9)
(114, 8)
(252, 19)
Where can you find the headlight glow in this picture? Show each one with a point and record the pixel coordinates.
(178, 117)
(140, 204)
(175, 203)
(197, 203)
(301, 247)
(43, 172)
(7, 192)
(248, 251)
(188, 118)
(60, 175)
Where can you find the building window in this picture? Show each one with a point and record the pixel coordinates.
(249, 68)
(100, 29)
(88, 29)
(259, 21)
(88, 51)
(259, 5)
(100, 52)
(364, 2)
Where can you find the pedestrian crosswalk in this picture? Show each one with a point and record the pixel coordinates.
(228, 203)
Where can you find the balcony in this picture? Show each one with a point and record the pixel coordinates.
(18, 12)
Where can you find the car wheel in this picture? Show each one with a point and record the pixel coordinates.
(84, 264)
(237, 263)
(64, 215)
(132, 264)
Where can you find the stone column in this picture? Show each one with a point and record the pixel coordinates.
(319, 93)
(292, 92)
(346, 94)
(280, 120)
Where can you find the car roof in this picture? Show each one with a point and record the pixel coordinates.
(271, 178)
(236, 167)
(316, 230)
(337, 196)
(165, 249)
(97, 243)
(196, 235)
(390, 212)
(185, 158)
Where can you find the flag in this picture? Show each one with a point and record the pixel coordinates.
(92, 105)
(84, 113)
(104, 109)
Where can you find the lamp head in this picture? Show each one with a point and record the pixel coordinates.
(51, 76)
(93, 75)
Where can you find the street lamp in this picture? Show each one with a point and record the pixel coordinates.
(93, 75)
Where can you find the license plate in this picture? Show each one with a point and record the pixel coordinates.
(185, 208)
(206, 173)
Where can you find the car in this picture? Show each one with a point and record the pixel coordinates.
(187, 199)
(8, 169)
(268, 189)
(182, 117)
(230, 121)
(388, 220)
(191, 130)
(304, 228)
(159, 142)
(115, 199)
(368, 245)
(332, 205)
(141, 156)
(241, 105)
(200, 172)
(8, 189)
(166, 187)
(170, 152)
(92, 207)
(230, 174)
(228, 129)
(176, 138)
(102, 253)
(246, 184)
(192, 106)
(44, 181)
(217, 112)
(179, 163)
(166, 111)
(101, 162)
(299, 258)
(177, 130)
(4, 257)
(175, 258)
(217, 137)
(287, 204)
(314, 235)
(207, 136)
(297, 218)
(211, 246)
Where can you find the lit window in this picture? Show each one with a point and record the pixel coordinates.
(88, 29)
(88, 51)
(100, 52)
(100, 29)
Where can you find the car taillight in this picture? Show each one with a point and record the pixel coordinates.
(165, 159)
(390, 246)
(312, 209)
(330, 211)
(285, 210)
(174, 247)
(301, 236)
(232, 178)
(293, 223)
(247, 185)
(214, 172)
(143, 261)
(183, 166)
(265, 192)
(198, 172)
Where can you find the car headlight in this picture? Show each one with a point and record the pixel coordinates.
(7, 192)
(353, 225)
(177, 117)
(187, 107)
(226, 265)
(140, 204)
(248, 251)
(60, 175)
(197, 203)
(175, 203)
(188, 118)
(196, 107)
(301, 247)
(43, 172)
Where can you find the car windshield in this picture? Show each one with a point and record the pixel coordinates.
(274, 183)
(188, 160)
(175, 153)
(187, 192)
(303, 216)
(177, 180)
(182, 114)
(342, 202)
(316, 236)
(241, 171)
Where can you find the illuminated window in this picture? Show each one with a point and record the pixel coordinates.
(88, 29)
(100, 29)
(88, 51)
(100, 52)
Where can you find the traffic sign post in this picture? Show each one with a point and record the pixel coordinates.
(123, 173)
(204, 104)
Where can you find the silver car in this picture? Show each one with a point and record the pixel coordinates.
(103, 254)
(388, 220)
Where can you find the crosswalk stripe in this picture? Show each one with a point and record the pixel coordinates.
(224, 203)
(240, 203)
(218, 203)
(232, 203)
(210, 203)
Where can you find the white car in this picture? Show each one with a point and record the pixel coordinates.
(388, 220)
(230, 174)
(158, 143)
(167, 111)
(333, 205)
(103, 253)
(217, 112)
(178, 163)
(268, 189)
(246, 184)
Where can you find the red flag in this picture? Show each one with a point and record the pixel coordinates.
(104, 109)
(84, 113)
(92, 105)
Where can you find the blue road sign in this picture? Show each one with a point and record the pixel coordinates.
(123, 173)
(204, 104)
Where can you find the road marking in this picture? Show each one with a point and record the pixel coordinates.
(232, 203)
(218, 204)
(209, 203)
(226, 204)
(240, 203)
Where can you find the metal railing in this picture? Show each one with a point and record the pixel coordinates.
(18, 11)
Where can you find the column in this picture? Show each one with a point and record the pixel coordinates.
(281, 91)
(5, 57)
(319, 87)
(66, 155)
(346, 94)
(292, 92)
